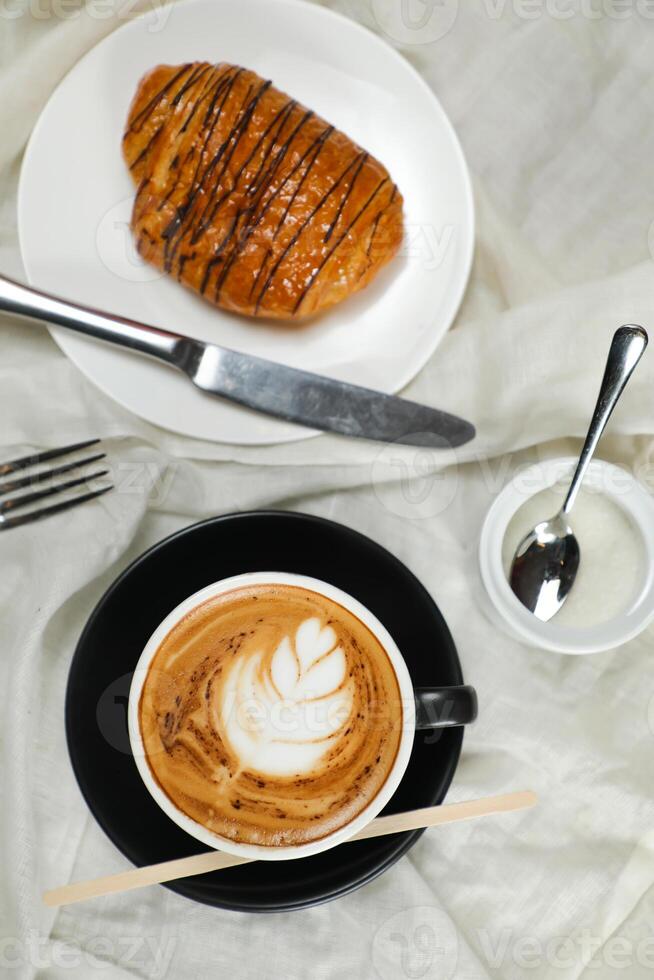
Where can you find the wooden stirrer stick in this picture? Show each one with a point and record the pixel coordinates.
(395, 823)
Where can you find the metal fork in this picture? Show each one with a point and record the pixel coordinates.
(9, 519)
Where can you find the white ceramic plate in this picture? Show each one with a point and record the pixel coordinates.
(75, 201)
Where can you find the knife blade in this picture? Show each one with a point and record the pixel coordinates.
(275, 389)
(325, 403)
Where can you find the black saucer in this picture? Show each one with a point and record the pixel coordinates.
(136, 603)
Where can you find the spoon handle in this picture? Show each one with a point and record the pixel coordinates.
(627, 347)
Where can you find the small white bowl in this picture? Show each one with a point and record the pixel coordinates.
(625, 491)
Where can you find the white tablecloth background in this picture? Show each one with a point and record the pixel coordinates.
(555, 115)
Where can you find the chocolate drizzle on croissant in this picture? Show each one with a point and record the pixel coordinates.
(251, 199)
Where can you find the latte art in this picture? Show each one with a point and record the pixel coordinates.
(271, 715)
(280, 713)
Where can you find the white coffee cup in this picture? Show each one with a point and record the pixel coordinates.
(437, 707)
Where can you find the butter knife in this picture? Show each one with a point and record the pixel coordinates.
(265, 386)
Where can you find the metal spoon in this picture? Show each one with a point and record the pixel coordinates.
(547, 559)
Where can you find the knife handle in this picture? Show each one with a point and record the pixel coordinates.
(32, 304)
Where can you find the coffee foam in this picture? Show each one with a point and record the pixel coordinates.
(279, 715)
(271, 715)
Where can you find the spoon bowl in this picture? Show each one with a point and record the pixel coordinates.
(545, 566)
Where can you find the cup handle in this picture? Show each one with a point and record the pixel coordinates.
(445, 707)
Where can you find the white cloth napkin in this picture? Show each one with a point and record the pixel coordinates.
(553, 106)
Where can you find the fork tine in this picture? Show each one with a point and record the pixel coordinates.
(27, 481)
(16, 520)
(30, 498)
(24, 461)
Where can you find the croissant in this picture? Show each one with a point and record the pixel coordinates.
(249, 198)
